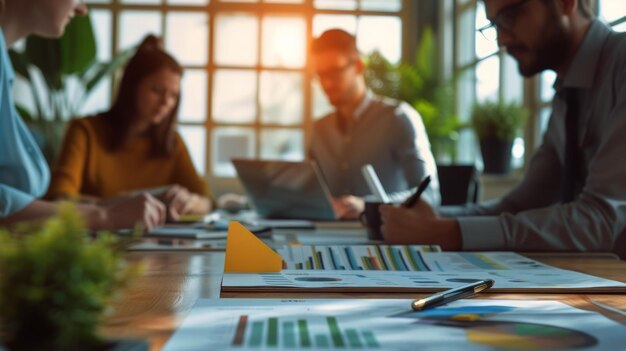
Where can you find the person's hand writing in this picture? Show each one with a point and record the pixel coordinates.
(178, 201)
(142, 210)
(419, 225)
(348, 207)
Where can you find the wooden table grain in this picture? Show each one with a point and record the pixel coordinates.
(158, 301)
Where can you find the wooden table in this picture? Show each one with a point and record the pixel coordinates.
(159, 301)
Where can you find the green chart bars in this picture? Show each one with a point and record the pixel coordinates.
(301, 333)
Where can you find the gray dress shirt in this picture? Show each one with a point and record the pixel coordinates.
(385, 133)
(531, 217)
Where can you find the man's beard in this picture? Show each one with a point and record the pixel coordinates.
(550, 53)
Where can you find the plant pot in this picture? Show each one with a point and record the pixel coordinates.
(496, 155)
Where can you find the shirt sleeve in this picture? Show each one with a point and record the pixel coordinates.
(185, 173)
(414, 154)
(593, 222)
(67, 173)
(13, 200)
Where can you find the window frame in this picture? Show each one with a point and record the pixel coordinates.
(260, 9)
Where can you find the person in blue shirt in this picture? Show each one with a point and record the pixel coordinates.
(24, 174)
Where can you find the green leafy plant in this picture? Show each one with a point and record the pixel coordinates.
(61, 74)
(418, 84)
(56, 282)
(498, 120)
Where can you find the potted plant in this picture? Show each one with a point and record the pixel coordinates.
(56, 282)
(419, 85)
(61, 74)
(496, 125)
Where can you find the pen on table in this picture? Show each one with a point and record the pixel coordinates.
(448, 296)
(410, 202)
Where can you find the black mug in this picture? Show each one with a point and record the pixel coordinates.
(370, 218)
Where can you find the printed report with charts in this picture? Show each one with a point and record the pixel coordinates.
(389, 324)
(403, 268)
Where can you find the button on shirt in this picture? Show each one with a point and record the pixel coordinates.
(24, 173)
(531, 217)
(385, 133)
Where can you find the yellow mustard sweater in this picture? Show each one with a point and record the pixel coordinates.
(86, 166)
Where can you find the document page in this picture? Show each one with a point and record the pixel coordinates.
(411, 268)
(366, 324)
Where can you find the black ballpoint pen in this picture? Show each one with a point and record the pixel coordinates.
(444, 297)
(410, 202)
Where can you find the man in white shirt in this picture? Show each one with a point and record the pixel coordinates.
(365, 129)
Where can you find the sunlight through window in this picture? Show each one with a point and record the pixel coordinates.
(284, 42)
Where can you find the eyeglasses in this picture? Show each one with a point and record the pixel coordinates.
(334, 73)
(505, 20)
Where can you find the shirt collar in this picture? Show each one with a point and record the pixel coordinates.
(362, 107)
(582, 72)
(6, 60)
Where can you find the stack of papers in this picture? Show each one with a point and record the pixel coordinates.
(250, 265)
(399, 268)
(186, 232)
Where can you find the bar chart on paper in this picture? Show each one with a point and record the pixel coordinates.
(357, 257)
(407, 258)
(317, 332)
(366, 324)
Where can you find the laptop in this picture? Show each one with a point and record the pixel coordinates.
(286, 190)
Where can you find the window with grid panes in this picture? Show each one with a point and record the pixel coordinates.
(484, 73)
(247, 90)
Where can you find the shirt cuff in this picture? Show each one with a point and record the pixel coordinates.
(452, 211)
(482, 233)
(13, 200)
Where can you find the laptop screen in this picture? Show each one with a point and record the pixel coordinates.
(286, 190)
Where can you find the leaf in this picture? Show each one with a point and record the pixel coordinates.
(45, 54)
(77, 46)
(20, 64)
(88, 69)
(381, 76)
(56, 281)
(426, 57)
(105, 69)
(501, 120)
(419, 85)
(24, 113)
(411, 87)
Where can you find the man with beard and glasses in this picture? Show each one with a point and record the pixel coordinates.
(573, 195)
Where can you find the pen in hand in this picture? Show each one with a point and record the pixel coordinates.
(448, 296)
(412, 200)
